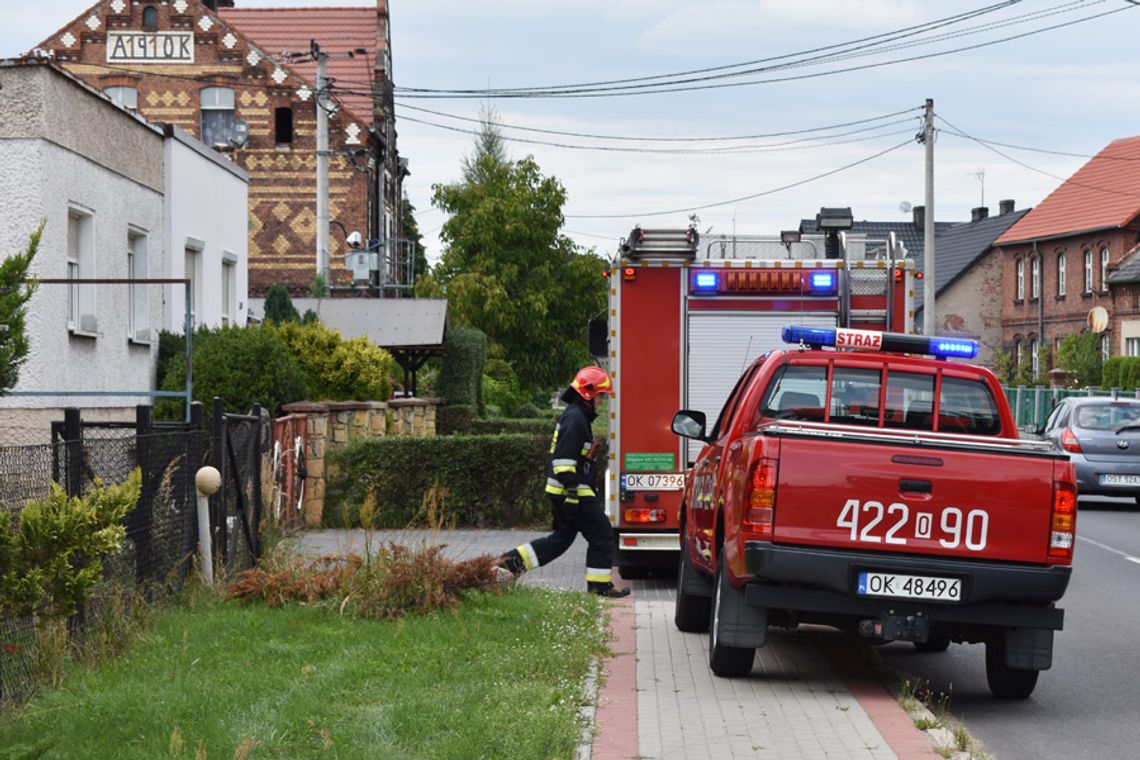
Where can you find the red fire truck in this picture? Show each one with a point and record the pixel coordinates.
(685, 318)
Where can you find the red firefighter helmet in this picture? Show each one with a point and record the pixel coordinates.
(591, 381)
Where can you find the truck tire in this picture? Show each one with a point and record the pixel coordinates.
(725, 661)
(633, 572)
(692, 612)
(936, 642)
(1006, 682)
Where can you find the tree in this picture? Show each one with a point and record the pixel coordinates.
(412, 234)
(508, 271)
(1079, 354)
(15, 291)
(279, 307)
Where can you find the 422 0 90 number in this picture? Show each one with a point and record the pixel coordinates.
(873, 522)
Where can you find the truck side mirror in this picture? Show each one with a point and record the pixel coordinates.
(689, 423)
(599, 340)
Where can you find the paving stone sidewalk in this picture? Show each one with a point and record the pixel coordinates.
(793, 707)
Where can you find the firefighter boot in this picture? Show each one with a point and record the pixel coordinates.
(512, 562)
(606, 589)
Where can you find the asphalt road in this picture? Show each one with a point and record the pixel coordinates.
(1086, 705)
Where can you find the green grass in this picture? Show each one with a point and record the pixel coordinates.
(500, 677)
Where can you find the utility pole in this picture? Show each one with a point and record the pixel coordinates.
(928, 225)
(322, 60)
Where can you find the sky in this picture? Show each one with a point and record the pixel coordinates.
(1019, 107)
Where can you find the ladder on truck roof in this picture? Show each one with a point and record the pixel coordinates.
(674, 243)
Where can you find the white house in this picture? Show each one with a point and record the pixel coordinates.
(121, 198)
(206, 233)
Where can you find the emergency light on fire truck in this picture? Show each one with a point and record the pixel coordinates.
(875, 340)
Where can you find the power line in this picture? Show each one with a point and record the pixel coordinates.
(905, 31)
(812, 142)
(743, 198)
(690, 85)
(758, 136)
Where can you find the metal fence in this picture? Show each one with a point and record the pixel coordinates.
(161, 536)
(1032, 406)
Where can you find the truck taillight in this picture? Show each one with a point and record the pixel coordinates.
(641, 515)
(760, 511)
(1064, 520)
(1069, 441)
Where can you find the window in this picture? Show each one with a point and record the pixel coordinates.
(123, 97)
(729, 407)
(966, 406)
(228, 281)
(283, 125)
(1034, 359)
(217, 115)
(1132, 346)
(910, 401)
(138, 326)
(1105, 346)
(797, 394)
(81, 264)
(1036, 276)
(1020, 279)
(1017, 349)
(150, 18)
(191, 272)
(855, 396)
(1061, 276)
(1103, 270)
(1088, 272)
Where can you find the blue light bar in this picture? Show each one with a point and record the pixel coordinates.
(945, 348)
(822, 282)
(705, 282)
(874, 340)
(809, 336)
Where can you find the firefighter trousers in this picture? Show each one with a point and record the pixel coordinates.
(586, 517)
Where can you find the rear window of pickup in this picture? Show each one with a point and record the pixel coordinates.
(880, 398)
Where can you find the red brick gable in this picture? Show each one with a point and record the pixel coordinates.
(1102, 194)
(337, 30)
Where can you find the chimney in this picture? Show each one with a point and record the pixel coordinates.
(978, 213)
(1005, 207)
(919, 217)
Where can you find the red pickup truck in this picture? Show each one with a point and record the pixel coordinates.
(877, 492)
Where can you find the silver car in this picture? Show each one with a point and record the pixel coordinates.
(1102, 437)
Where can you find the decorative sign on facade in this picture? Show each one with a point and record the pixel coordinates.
(150, 47)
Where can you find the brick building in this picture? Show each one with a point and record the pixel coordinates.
(209, 69)
(1071, 254)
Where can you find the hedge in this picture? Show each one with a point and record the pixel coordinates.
(484, 480)
(1121, 372)
(461, 369)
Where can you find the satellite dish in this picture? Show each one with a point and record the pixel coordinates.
(239, 134)
(905, 207)
(1098, 319)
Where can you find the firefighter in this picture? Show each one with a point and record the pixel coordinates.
(570, 487)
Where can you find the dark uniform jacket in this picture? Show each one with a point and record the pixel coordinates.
(570, 470)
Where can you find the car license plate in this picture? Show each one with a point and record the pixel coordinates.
(1119, 480)
(910, 586)
(653, 481)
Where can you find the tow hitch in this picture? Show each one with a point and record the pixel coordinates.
(897, 628)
